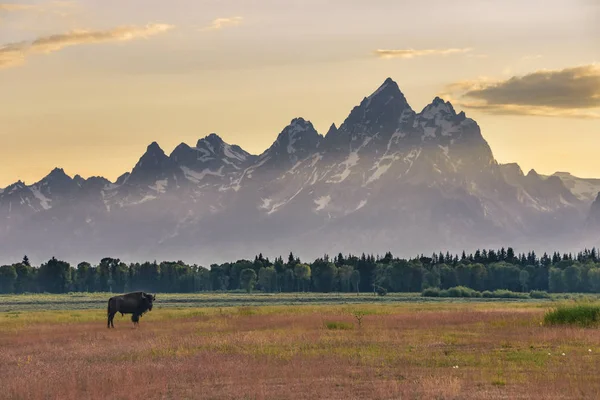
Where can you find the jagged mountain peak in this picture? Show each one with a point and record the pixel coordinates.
(296, 141)
(389, 91)
(57, 174)
(57, 183)
(213, 146)
(154, 148)
(382, 113)
(153, 157)
(299, 125)
(438, 107)
(79, 180)
(213, 140)
(154, 164)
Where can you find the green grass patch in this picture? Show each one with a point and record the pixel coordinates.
(335, 325)
(584, 315)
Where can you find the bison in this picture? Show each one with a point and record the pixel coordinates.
(136, 303)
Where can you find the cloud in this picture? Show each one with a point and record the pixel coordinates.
(570, 92)
(221, 23)
(14, 54)
(412, 53)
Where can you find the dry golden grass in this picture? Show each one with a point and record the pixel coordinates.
(408, 351)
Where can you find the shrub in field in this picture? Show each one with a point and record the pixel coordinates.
(461, 291)
(539, 294)
(333, 325)
(431, 292)
(585, 315)
(381, 291)
(507, 294)
(359, 317)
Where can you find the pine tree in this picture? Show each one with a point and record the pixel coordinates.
(510, 255)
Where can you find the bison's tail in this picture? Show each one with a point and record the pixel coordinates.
(108, 309)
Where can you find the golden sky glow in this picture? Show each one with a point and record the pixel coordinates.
(87, 85)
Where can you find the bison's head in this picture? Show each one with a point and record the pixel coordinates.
(148, 299)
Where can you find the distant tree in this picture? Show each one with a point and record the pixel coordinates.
(289, 280)
(25, 278)
(302, 272)
(387, 258)
(54, 276)
(8, 277)
(555, 281)
(324, 275)
(248, 279)
(572, 278)
(82, 280)
(448, 277)
(26, 261)
(267, 279)
(432, 278)
(524, 280)
(594, 280)
(355, 280)
(345, 273)
(510, 256)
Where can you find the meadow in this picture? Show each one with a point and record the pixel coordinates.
(253, 346)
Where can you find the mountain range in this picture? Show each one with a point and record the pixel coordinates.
(388, 178)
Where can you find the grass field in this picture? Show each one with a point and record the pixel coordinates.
(83, 301)
(399, 348)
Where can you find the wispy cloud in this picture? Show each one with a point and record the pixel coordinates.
(412, 53)
(221, 23)
(14, 54)
(570, 92)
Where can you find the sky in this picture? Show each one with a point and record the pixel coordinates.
(87, 85)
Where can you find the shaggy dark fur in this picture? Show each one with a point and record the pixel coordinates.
(136, 303)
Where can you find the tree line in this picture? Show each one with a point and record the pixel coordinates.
(483, 270)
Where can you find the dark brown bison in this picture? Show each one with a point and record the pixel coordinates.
(136, 303)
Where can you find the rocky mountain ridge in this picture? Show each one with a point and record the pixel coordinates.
(388, 178)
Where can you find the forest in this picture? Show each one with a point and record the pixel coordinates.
(484, 270)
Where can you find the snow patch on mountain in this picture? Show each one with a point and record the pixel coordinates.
(350, 162)
(229, 153)
(277, 206)
(160, 185)
(445, 149)
(197, 177)
(44, 201)
(322, 202)
(584, 189)
(361, 205)
(145, 199)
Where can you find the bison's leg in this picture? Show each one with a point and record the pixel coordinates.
(108, 314)
(111, 318)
